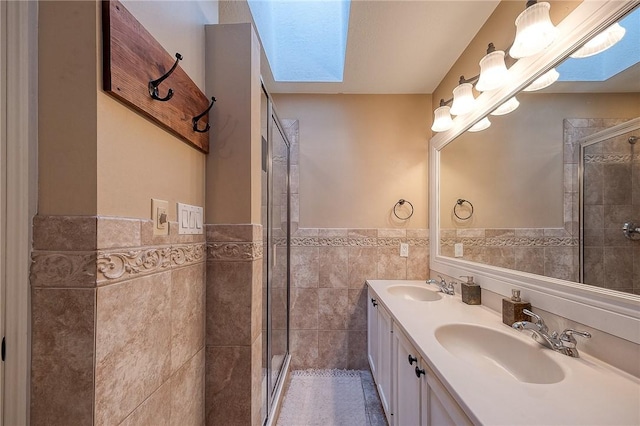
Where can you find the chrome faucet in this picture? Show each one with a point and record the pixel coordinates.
(565, 343)
(444, 287)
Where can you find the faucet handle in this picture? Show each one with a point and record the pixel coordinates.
(539, 321)
(535, 316)
(567, 337)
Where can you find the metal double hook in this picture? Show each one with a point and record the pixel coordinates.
(198, 117)
(153, 84)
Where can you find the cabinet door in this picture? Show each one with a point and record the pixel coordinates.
(437, 406)
(406, 398)
(384, 360)
(372, 335)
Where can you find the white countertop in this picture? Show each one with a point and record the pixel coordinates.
(591, 393)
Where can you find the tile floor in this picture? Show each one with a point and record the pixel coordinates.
(373, 406)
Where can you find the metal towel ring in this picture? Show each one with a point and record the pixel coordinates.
(401, 203)
(459, 203)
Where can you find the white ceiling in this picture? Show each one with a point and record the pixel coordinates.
(392, 46)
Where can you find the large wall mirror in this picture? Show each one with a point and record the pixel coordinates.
(539, 199)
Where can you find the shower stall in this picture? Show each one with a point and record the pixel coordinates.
(609, 182)
(276, 240)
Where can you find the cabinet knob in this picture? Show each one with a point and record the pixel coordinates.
(412, 359)
(419, 372)
(374, 302)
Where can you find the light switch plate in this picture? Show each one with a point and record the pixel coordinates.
(404, 250)
(190, 219)
(458, 250)
(159, 216)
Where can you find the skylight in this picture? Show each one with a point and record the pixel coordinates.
(305, 40)
(605, 65)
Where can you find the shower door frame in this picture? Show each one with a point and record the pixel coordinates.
(274, 390)
(611, 132)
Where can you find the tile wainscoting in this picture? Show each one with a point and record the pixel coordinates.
(328, 295)
(117, 323)
(551, 252)
(234, 324)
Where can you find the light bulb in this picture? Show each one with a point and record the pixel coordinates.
(534, 31)
(493, 71)
(507, 107)
(545, 80)
(601, 42)
(480, 125)
(442, 121)
(463, 100)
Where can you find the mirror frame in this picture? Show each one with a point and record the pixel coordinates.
(607, 310)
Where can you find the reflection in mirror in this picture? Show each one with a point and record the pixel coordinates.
(522, 177)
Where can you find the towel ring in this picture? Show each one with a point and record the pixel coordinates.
(459, 203)
(401, 203)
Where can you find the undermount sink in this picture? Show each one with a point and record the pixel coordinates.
(415, 293)
(498, 352)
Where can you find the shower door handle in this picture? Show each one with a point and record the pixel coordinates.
(275, 261)
(631, 231)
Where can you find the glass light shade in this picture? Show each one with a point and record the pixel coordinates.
(463, 100)
(480, 125)
(545, 80)
(534, 31)
(493, 71)
(442, 121)
(601, 42)
(507, 107)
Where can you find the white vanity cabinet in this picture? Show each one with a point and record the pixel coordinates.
(410, 393)
(406, 398)
(437, 406)
(419, 398)
(372, 333)
(379, 333)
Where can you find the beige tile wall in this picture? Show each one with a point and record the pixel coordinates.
(552, 252)
(118, 323)
(328, 295)
(233, 378)
(611, 198)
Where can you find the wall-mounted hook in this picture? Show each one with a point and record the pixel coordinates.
(153, 84)
(198, 117)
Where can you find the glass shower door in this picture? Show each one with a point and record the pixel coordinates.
(275, 275)
(609, 208)
(279, 221)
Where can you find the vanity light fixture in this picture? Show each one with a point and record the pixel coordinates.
(480, 125)
(545, 80)
(463, 100)
(601, 42)
(493, 71)
(442, 121)
(534, 30)
(507, 107)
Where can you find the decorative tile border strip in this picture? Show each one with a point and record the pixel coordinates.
(352, 242)
(63, 269)
(511, 242)
(234, 251)
(121, 265)
(91, 268)
(608, 158)
(182, 255)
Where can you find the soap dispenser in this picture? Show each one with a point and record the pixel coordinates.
(471, 294)
(513, 309)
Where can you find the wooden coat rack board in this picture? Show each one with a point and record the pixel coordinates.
(131, 59)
